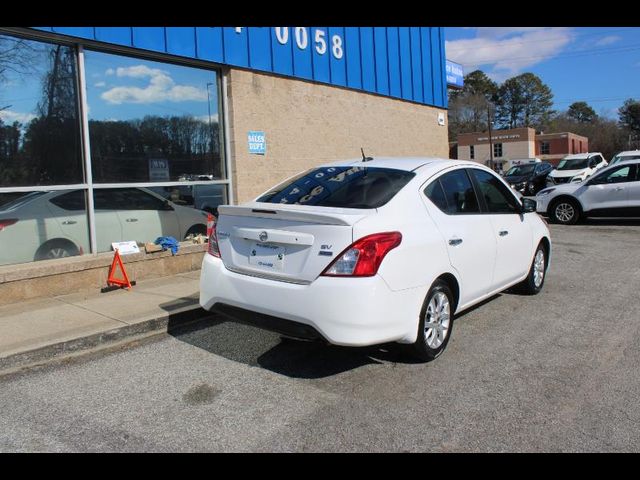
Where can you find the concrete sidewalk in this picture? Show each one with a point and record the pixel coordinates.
(37, 331)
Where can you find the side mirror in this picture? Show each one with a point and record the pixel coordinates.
(167, 206)
(528, 205)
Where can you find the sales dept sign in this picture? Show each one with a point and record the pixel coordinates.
(257, 142)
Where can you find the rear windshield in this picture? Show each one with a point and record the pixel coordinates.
(345, 187)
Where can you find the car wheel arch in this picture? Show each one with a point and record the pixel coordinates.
(452, 282)
(567, 197)
(50, 243)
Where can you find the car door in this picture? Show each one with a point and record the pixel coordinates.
(512, 233)
(108, 227)
(69, 210)
(607, 192)
(145, 216)
(468, 234)
(634, 193)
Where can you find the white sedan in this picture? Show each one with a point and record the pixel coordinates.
(612, 192)
(368, 252)
(47, 225)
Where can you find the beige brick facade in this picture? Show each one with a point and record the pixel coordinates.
(307, 123)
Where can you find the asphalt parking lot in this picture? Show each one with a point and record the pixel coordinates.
(553, 372)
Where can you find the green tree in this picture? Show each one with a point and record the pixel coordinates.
(629, 116)
(524, 101)
(581, 112)
(468, 106)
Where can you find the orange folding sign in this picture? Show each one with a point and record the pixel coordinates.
(112, 280)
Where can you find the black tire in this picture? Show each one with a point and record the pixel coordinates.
(565, 211)
(58, 248)
(196, 229)
(532, 284)
(422, 349)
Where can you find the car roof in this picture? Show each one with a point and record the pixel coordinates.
(408, 164)
(628, 153)
(580, 155)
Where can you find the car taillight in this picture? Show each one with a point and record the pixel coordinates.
(364, 256)
(6, 222)
(213, 248)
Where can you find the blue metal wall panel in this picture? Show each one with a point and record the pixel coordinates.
(338, 65)
(405, 63)
(117, 35)
(427, 73)
(443, 70)
(236, 46)
(367, 59)
(301, 57)
(281, 54)
(393, 49)
(209, 43)
(382, 67)
(321, 72)
(402, 62)
(352, 54)
(436, 66)
(83, 32)
(149, 38)
(260, 48)
(416, 64)
(181, 41)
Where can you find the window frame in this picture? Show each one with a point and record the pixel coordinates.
(438, 178)
(482, 201)
(88, 186)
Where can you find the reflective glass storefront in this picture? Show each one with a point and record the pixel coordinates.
(99, 147)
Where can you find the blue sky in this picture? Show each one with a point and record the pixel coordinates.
(598, 65)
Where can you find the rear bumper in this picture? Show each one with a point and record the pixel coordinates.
(344, 311)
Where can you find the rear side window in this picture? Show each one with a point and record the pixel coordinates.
(72, 201)
(453, 193)
(345, 187)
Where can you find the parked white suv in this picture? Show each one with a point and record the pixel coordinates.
(611, 192)
(576, 168)
(628, 155)
(368, 252)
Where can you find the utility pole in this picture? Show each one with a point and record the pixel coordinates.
(490, 140)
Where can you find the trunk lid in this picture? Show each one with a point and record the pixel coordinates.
(291, 243)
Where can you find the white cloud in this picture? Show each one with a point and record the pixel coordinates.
(508, 51)
(9, 116)
(100, 84)
(109, 71)
(161, 88)
(609, 40)
(205, 118)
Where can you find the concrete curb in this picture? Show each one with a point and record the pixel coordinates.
(57, 351)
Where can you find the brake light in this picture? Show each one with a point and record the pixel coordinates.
(364, 256)
(6, 222)
(213, 248)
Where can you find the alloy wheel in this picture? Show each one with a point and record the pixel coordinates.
(538, 269)
(437, 320)
(565, 212)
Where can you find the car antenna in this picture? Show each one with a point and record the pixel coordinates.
(365, 159)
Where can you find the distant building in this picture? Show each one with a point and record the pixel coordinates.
(552, 147)
(516, 143)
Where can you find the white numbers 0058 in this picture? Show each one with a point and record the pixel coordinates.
(301, 35)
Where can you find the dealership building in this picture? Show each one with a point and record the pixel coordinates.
(99, 125)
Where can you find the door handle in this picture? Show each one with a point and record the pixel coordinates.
(132, 219)
(619, 188)
(69, 222)
(503, 233)
(455, 241)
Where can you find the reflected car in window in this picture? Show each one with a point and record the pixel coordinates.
(53, 224)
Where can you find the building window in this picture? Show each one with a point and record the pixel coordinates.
(156, 150)
(472, 153)
(151, 121)
(497, 150)
(39, 125)
(573, 145)
(544, 148)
